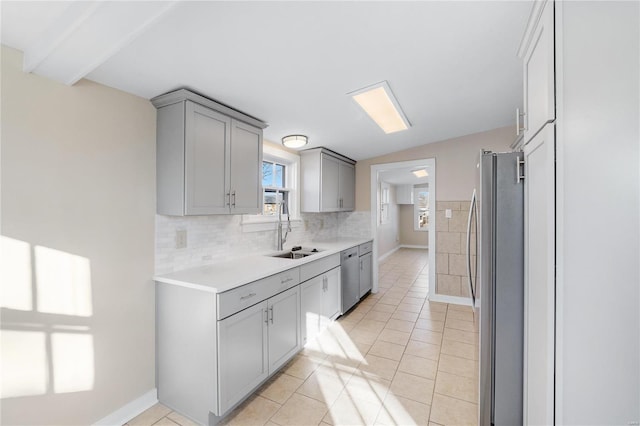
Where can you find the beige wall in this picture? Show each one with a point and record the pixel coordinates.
(456, 161)
(78, 204)
(407, 234)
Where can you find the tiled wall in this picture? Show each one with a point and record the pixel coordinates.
(354, 224)
(451, 248)
(219, 237)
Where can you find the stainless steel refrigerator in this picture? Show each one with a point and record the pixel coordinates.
(496, 281)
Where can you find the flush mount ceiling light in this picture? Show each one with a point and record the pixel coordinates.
(295, 141)
(420, 173)
(381, 105)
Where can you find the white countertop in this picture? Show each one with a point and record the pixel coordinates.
(229, 274)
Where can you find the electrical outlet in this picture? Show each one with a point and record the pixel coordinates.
(181, 238)
(447, 213)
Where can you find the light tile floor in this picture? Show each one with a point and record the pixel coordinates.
(396, 359)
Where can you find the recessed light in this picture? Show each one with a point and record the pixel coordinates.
(295, 141)
(381, 105)
(420, 173)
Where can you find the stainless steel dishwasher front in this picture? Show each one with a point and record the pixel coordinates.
(350, 278)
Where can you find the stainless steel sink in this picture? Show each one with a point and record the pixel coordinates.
(297, 254)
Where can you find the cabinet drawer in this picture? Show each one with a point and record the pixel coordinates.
(235, 300)
(365, 248)
(318, 267)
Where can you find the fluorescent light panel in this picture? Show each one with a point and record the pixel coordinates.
(420, 173)
(379, 103)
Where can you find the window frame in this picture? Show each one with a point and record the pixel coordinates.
(291, 161)
(385, 195)
(277, 189)
(416, 209)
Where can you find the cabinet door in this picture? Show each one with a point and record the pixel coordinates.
(246, 168)
(207, 136)
(539, 283)
(331, 300)
(311, 295)
(539, 98)
(284, 327)
(329, 184)
(404, 194)
(347, 186)
(365, 274)
(242, 354)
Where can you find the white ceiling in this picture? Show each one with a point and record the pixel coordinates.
(452, 65)
(402, 176)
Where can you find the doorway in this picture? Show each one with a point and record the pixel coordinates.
(416, 181)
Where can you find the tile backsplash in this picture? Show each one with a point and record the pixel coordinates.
(219, 237)
(451, 248)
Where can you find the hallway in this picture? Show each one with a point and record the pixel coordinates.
(395, 359)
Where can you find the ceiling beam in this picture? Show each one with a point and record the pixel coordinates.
(87, 34)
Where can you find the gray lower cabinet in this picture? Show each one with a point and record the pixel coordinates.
(254, 343)
(284, 328)
(208, 157)
(243, 361)
(320, 302)
(366, 273)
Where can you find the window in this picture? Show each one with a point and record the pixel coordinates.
(280, 177)
(384, 203)
(274, 188)
(421, 209)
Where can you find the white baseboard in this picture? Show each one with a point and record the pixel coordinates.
(389, 253)
(456, 300)
(413, 246)
(130, 410)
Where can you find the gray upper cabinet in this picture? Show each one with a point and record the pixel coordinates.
(328, 181)
(246, 167)
(347, 186)
(206, 147)
(208, 157)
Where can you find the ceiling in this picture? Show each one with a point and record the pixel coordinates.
(452, 65)
(402, 176)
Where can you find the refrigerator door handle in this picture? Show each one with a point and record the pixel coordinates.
(472, 210)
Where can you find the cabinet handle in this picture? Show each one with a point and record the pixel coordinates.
(518, 128)
(266, 317)
(361, 265)
(233, 194)
(228, 198)
(248, 296)
(519, 170)
(286, 281)
(271, 309)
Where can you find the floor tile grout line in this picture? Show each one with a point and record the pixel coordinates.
(435, 381)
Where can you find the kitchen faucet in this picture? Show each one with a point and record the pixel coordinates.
(282, 240)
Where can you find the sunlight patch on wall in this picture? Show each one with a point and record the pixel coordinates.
(24, 363)
(73, 369)
(64, 282)
(15, 274)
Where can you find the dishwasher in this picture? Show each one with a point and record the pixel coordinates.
(350, 278)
